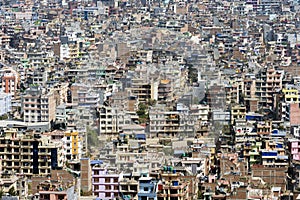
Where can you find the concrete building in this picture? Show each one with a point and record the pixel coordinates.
(5, 103)
(294, 145)
(38, 105)
(72, 145)
(147, 188)
(105, 183)
(29, 154)
(9, 81)
(268, 82)
(128, 186)
(237, 112)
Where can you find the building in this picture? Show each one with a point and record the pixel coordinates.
(38, 105)
(290, 95)
(5, 103)
(105, 182)
(72, 145)
(29, 153)
(294, 147)
(86, 174)
(10, 183)
(60, 185)
(129, 186)
(175, 185)
(147, 188)
(9, 81)
(237, 112)
(268, 82)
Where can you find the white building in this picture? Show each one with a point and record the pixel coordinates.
(5, 103)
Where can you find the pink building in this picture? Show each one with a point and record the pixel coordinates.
(105, 183)
(295, 149)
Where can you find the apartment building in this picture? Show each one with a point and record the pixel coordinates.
(216, 97)
(29, 153)
(294, 145)
(200, 113)
(147, 188)
(9, 81)
(237, 112)
(5, 103)
(274, 154)
(53, 190)
(268, 82)
(264, 127)
(17, 183)
(143, 89)
(38, 105)
(82, 94)
(108, 120)
(113, 119)
(105, 182)
(175, 185)
(290, 94)
(234, 90)
(72, 145)
(165, 93)
(244, 131)
(129, 186)
(37, 76)
(232, 95)
(60, 185)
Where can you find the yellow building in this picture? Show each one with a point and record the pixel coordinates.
(290, 95)
(72, 145)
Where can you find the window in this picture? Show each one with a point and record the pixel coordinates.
(96, 172)
(107, 194)
(107, 187)
(96, 180)
(107, 180)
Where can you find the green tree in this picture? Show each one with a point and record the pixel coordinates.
(1, 193)
(142, 113)
(92, 137)
(12, 191)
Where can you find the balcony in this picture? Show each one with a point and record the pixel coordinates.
(177, 195)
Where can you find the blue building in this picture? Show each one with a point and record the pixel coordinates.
(147, 190)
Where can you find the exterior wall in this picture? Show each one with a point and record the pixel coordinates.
(290, 95)
(105, 185)
(9, 81)
(39, 105)
(294, 114)
(18, 156)
(295, 150)
(85, 169)
(5, 103)
(72, 145)
(147, 190)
